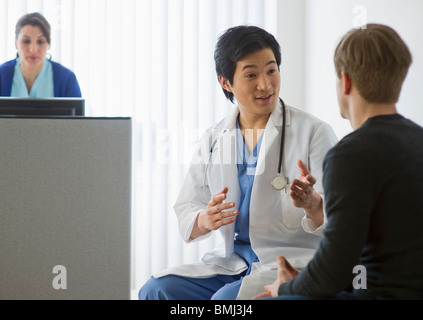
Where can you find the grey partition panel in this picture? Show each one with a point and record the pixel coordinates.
(65, 208)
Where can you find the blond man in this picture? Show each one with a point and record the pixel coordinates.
(373, 180)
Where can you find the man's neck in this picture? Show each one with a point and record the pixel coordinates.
(363, 110)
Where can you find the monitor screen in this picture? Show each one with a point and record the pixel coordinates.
(43, 107)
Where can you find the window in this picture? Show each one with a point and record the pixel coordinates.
(151, 60)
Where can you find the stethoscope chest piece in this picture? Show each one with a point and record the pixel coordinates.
(279, 183)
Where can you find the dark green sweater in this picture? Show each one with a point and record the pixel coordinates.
(373, 182)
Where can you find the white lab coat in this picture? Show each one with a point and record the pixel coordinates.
(277, 227)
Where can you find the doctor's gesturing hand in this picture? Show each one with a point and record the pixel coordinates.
(214, 216)
(304, 196)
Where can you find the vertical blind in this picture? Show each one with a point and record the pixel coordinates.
(151, 60)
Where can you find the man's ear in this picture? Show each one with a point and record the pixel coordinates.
(346, 83)
(224, 82)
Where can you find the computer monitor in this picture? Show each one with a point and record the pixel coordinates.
(43, 107)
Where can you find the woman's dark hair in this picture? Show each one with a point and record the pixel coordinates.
(34, 19)
(236, 43)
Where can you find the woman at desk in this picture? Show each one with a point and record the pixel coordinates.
(32, 74)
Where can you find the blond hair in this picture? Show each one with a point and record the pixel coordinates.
(376, 60)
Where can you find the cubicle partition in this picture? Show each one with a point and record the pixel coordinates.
(65, 208)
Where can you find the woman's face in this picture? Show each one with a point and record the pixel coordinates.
(256, 83)
(32, 45)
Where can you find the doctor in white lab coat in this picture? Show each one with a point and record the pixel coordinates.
(228, 187)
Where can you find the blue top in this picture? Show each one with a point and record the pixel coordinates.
(42, 88)
(64, 80)
(246, 175)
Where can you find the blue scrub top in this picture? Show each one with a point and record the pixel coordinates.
(246, 175)
(43, 86)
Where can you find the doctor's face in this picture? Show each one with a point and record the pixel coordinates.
(256, 83)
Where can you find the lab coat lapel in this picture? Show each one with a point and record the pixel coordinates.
(229, 173)
(270, 135)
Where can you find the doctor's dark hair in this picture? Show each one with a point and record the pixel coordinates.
(236, 43)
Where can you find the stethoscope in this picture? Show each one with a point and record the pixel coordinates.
(278, 182)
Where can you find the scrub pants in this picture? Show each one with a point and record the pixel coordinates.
(219, 287)
(171, 287)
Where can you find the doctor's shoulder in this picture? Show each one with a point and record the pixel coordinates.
(297, 115)
(206, 142)
(212, 133)
(308, 121)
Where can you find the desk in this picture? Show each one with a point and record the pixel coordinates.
(65, 208)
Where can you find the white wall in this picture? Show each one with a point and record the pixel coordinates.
(309, 37)
(291, 37)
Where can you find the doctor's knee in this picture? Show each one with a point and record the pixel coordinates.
(158, 289)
